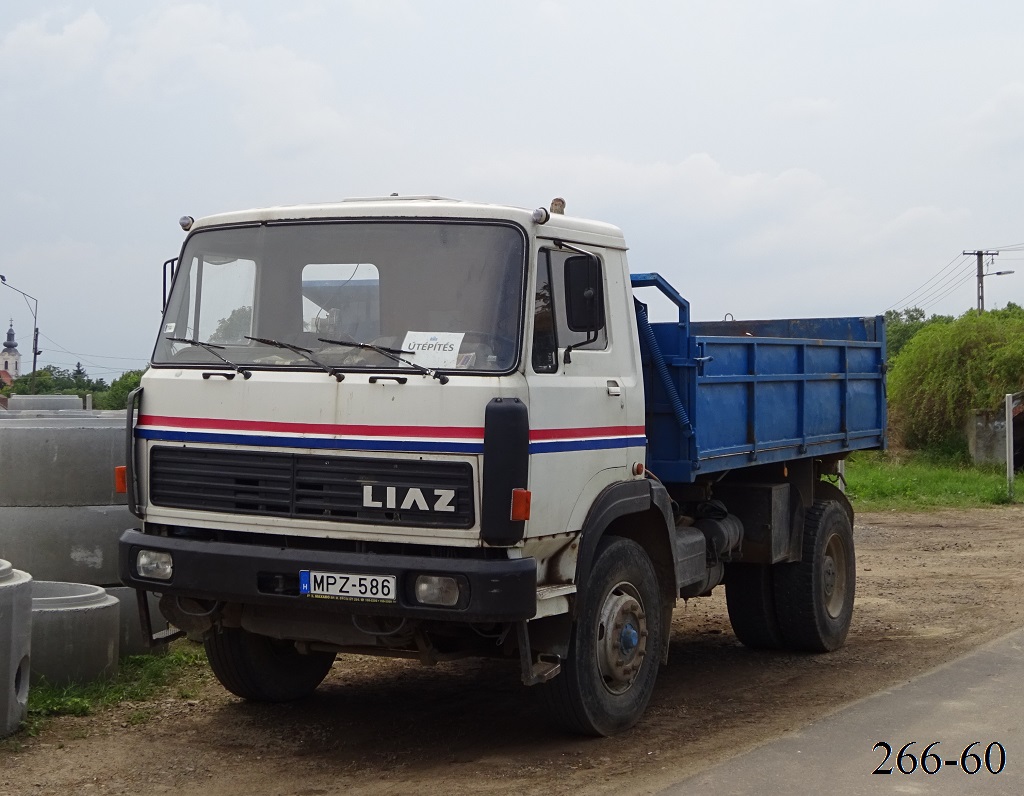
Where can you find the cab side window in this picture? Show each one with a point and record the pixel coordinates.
(545, 342)
(550, 330)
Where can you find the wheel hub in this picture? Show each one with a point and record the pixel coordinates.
(830, 576)
(629, 639)
(622, 638)
(833, 576)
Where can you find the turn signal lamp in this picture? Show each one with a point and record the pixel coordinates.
(521, 504)
(121, 479)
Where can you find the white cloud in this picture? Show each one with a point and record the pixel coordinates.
(807, 109)
(41, 50)
(756, 244)
(781, 210)
(393, 12)
(915, 220)
(999, 122)
(279, 101)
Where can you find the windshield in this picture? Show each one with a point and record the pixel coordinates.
(438, 295)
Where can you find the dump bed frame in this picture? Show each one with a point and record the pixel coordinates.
(728, 394)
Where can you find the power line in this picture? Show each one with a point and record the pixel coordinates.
(913, 293)
(927, 295)
(952, 289)
(944, 287)
(86, 357)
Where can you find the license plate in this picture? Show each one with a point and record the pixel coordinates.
(343, 586)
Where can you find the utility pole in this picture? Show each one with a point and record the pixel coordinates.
(981, 275)
(35, 327)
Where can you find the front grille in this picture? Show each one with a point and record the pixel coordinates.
(344, 489)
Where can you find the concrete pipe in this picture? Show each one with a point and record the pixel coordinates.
(62, 515)
(75, 632)
(15, 642)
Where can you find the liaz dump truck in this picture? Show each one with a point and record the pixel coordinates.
(423, 428)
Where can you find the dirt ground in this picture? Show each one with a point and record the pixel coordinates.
(931, 586)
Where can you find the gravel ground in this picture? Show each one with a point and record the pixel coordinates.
(931, 586)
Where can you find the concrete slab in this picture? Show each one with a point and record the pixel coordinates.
(979, 697)
(52, 459)
(77, 544)
(44, 402)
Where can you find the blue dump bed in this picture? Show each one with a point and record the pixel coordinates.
(730, 394)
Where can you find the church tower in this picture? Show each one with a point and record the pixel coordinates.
(11, 359)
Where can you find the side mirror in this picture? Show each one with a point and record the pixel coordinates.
(169, 266)
(584, 294)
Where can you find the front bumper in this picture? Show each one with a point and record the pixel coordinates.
(495, 590)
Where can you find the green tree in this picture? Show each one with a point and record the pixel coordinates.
(902, 325)
(233, 328)
(52, 380)
(79, 374)
(947, 370)
(117, 396)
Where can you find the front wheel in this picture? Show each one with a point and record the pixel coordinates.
(608, 676)
(264, 669)
(814, 597)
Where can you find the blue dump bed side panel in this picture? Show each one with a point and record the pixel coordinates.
(754, 392)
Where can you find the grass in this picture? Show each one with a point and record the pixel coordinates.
(139, 678)
(918, 481)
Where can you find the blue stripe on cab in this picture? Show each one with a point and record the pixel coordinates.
(561, 446)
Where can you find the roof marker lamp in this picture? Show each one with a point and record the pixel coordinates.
(154, 564)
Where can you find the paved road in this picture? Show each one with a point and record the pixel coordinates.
(979, 697)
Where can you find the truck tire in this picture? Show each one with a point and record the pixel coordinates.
(825, 490)
(814, 597)
(615, 649)
(264, 669)
(750, 597)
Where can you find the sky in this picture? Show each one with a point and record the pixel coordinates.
(797, 158)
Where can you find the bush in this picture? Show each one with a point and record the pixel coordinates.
(947, 370)
(117, 396)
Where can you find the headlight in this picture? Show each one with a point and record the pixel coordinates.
(154, 564)
(437, 590)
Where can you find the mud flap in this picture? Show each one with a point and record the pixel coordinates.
(153, 639)
(535, 671)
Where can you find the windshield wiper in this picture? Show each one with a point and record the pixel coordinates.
(305, 353)
(212, 348)
(390, 353)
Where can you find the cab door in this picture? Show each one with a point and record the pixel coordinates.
(585, 429)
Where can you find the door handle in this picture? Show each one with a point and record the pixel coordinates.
(614, 388)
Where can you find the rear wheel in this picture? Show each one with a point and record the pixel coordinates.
(814, 597)
(264, 669)
(608, 676)
(750, 597)
(825, 490)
